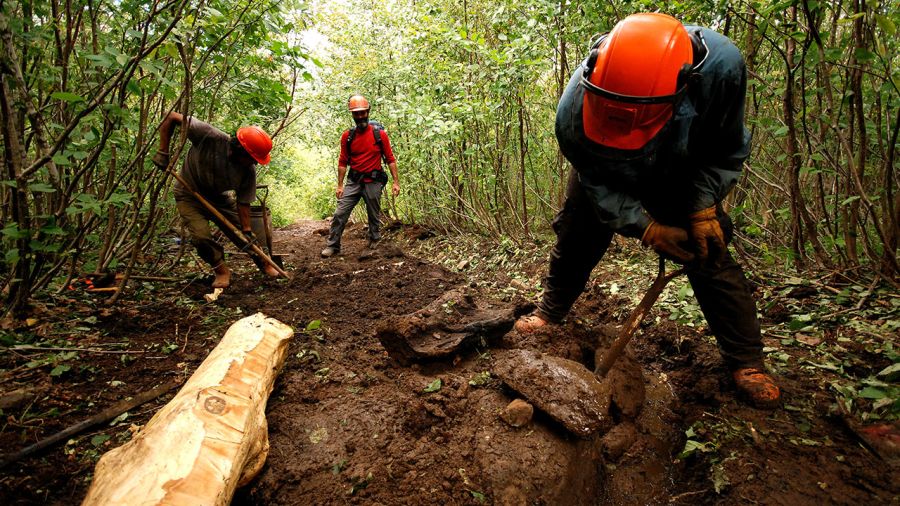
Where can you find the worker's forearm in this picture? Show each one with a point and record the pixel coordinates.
(168, 125)
(393, 167)
(244, 216)
(342, 171)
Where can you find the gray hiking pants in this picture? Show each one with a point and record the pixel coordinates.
(371, 195)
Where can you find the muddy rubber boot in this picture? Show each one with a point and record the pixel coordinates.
(329, 252)
(223, 276)
(529, 323)
(758, 387)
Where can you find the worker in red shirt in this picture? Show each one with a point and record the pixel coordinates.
(362, 150)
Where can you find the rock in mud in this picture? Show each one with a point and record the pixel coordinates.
(445, 327)
(562, 388)
(618, 440)
(627, 384)
(517, 413)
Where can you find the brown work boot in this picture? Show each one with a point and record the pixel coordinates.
(757, 386)
(529, 323)
(223, 276)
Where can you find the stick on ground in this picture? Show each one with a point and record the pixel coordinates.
(103, 416)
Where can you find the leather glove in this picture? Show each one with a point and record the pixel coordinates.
(161, 159)
(251, 239)
(667, 241)
(706, 234)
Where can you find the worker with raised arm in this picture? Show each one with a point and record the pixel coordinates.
(221, 168)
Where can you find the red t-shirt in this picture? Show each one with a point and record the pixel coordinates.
(365, 155)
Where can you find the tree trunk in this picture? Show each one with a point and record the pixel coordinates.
(212, 436)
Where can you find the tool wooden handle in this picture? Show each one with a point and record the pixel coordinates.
(635, 318)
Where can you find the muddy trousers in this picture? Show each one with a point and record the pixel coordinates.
(196, 217)
(721, 290)
(371, 195)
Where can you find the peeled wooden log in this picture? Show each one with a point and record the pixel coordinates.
(212, 436)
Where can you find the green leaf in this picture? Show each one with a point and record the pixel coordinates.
(59, 370)
(313, 325)
(12, 231)
(60, 159)
(11, 256)
(133, 87)
(65, 96)
(41, 187)
(478, 496)
(886, 24)
(434, 386)
(890, 372)
(872, 393)
(691, 446)
(99, 439)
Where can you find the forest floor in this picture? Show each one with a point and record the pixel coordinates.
(350, 424)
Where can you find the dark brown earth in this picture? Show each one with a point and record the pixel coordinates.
(349, 423)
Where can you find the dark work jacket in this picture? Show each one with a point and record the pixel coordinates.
(690, 165)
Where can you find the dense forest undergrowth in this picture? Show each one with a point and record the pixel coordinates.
(468, 93)
(348, 423)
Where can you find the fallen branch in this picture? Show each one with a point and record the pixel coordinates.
(105, 415)
(25, 347)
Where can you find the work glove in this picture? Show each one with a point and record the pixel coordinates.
(251, 239)
(667, 242)
(161, 159)
(707, 235)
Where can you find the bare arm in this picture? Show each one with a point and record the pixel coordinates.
(342, 171)
(244, 217)
(168, 125)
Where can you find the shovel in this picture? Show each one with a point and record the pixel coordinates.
(565, 389)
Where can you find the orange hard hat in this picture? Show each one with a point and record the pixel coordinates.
(357, 103)
(256, 142)
(634, 77)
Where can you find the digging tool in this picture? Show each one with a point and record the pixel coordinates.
(635, 318)
(226, 222)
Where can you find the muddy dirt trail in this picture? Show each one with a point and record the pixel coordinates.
(354, 421)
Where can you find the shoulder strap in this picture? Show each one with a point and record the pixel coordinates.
(350, 133)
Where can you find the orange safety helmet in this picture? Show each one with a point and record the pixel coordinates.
(256, 142)
(357, 103)
(634, 77)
